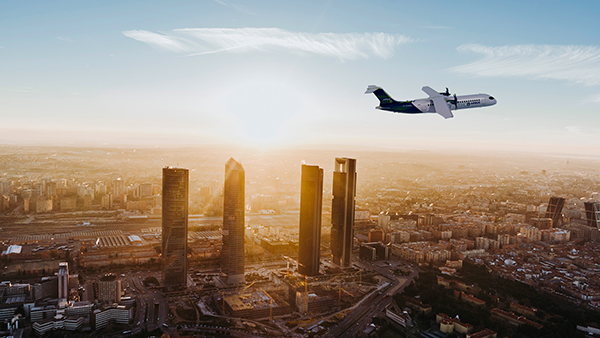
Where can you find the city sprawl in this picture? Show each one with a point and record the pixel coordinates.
(245, 243)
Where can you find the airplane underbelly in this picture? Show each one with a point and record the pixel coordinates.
(424, 107)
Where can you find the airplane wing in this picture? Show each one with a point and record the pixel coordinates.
(429, 91)
(441, 107)
(439, 102)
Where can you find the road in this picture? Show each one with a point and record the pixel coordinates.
(152, 307)
(356, 322)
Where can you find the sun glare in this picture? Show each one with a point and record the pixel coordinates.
(263, 108)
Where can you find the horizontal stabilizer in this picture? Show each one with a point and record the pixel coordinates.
(371, 89)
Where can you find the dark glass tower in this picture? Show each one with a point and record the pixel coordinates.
(342, 210)
(554, 210)
(233, 222)
(311, 203)
(174, 226)
(592, 214)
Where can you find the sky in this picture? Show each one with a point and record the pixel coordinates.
(292, 73)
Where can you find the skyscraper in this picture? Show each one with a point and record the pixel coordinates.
(342, 210)
(554, 210)
(311, 202)
(592, 214)
(63, 280)
(174, 226)
(233, 222)
(118, 187)
(383, 221)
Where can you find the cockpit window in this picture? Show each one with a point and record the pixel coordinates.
(491, 97)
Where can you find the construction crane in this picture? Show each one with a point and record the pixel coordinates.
(340, 293)
(223, 294)
(244, 289)
(360, 277)
(359, 272)
(288, 259)
(333, 279)
(306, 293)
(305, 289)
(271, 307)
(223, 297)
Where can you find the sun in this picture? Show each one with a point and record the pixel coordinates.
(264, 110)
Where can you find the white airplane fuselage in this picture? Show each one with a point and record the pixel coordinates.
(463, 102)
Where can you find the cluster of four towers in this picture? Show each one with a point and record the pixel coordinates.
(175, 220)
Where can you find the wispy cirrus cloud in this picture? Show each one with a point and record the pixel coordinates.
(161, 41)
(576, 64)
(240, 8)
(64, 38)
(345, 46)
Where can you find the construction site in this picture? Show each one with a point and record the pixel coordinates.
(293, 300)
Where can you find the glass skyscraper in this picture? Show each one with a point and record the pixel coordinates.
(311, 203)
(174, 226)
(233, 222)
(342, 210)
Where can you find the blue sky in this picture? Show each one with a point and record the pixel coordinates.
(283, 73)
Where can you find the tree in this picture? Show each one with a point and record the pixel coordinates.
(54, 254)
(20, 310)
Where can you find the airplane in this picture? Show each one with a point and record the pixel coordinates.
(441, 103)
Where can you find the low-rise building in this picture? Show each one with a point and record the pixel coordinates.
(448, 325)
(485, 333)
(120, 314)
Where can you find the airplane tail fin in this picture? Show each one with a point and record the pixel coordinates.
(383, 97)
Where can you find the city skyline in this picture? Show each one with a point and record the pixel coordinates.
(293, 74)
(454, 220)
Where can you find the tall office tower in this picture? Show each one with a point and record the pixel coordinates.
(145, 190)
(342, 210)
(63, 280)
(592, 214)
(311, 203)
(109, 287)
(5, 187)
(383, 221)
(233, 222)
(107, 201)
(554, 210)
(118, 187)
(205, 194)
(174, 226)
